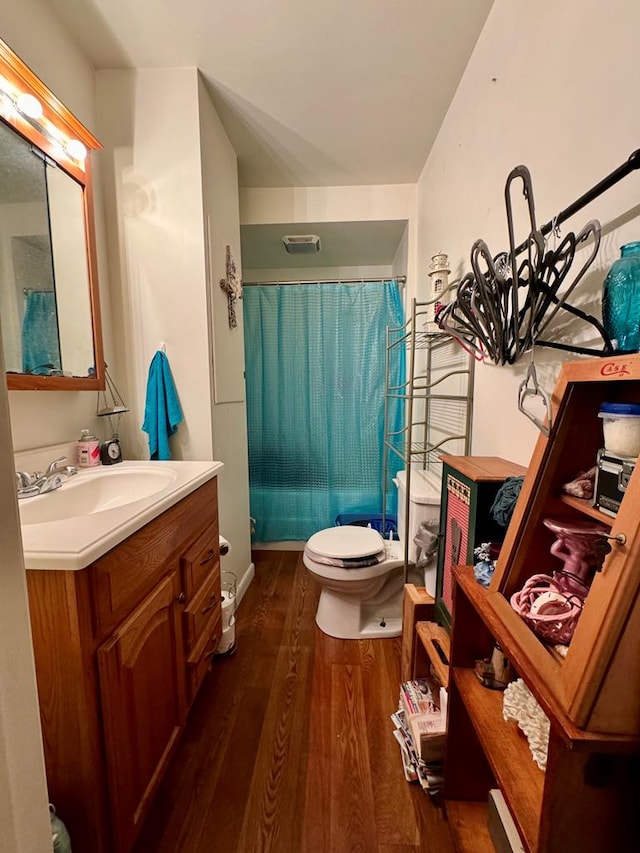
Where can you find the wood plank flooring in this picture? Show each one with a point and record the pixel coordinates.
(288, 748)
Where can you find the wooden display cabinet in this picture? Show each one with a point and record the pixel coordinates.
(587, 798)
(591, 684)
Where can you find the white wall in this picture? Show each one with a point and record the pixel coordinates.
(222, 226)
(157, 247)
(171, 197)
(400, 263)
(552, 86)
(39, 418)
(23, 792)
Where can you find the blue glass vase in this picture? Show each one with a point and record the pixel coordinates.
(621, 300)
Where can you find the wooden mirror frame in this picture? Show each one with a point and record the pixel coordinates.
(65, 125)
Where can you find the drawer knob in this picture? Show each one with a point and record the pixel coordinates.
(181, 598)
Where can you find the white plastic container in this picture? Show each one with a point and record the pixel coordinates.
(621, 428)
(424, 505)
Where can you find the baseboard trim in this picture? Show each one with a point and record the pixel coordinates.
(245, 580)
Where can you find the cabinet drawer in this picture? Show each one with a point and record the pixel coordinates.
(125, 575)
(199, 660)
(199, 560)
(205, 604)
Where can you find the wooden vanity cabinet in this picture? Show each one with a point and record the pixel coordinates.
(121, 648)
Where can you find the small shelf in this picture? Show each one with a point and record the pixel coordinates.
(535, 663)
(584, 507)
(420, 339)
(468, 826)
(517, 775)
(419, 449)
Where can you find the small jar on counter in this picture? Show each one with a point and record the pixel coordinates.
(88, 450)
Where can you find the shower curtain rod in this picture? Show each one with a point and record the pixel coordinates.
(401, 279)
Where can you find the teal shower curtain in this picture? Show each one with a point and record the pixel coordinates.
(315, 364)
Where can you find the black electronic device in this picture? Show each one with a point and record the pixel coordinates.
(612, 478)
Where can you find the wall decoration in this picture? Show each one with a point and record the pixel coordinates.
(232, 286)
(227, 341)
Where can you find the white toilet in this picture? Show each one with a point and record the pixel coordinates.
(362, 575)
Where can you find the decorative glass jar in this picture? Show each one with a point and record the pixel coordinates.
(621, 300)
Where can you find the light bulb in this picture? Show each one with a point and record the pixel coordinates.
(29, 106)
(76, 149)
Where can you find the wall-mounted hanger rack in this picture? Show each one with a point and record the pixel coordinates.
(601, 187)
(490, 316)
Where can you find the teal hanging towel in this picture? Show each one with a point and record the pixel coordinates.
(40, 343)
(162, 411)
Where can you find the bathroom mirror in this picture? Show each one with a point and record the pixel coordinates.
(49, 306)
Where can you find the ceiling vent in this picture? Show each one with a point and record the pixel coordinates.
(302, 244)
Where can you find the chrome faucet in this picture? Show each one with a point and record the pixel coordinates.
(30, 485)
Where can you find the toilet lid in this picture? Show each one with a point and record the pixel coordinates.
(346, 542)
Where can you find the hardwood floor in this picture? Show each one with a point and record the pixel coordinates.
(289, 746)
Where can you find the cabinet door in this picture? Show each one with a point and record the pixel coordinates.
(143, 704)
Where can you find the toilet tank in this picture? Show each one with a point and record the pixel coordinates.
(424, 503)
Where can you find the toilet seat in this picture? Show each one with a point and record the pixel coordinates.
(346, 542)
(345, 563)
(349, 554)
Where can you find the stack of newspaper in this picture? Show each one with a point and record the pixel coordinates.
(420, 729)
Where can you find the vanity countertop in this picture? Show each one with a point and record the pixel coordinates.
(95, 510)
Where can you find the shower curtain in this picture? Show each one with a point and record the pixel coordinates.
(315, 365)
(40, 342)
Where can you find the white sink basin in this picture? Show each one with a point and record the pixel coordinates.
(95, 510)
(95, 492)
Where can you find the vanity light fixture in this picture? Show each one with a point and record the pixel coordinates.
(76, 149)
(16, 106)
(29, 106)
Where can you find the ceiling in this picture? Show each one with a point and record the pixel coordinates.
(311, 93)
